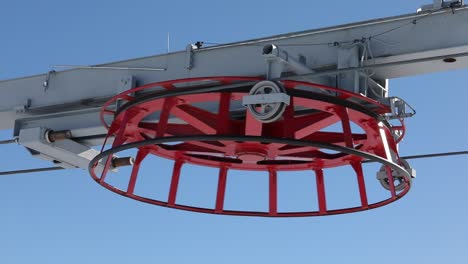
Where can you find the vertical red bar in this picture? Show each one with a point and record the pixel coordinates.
(221, 190)
(273, 183)
(253, 127)
(322, 201)
(288, 120)
(174, 182)
(391, 181)
(106, 168)
(357, 166)
(348, 136)
(120, 137)
(136, 167)
(224, 119)
(164, 116)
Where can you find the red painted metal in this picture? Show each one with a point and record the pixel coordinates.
(357, 166)
(221, 189)
(273, 192)
(322, 200)
(174, 182)
(213, 112)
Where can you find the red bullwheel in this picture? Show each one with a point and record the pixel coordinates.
(202, 121)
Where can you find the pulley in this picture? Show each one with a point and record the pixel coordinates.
(266, 101)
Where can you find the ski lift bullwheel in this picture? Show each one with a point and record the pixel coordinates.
(203, 121)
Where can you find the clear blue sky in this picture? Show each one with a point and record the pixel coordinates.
(65, 217)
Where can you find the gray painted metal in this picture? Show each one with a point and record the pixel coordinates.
(385, 48)
(66, 153)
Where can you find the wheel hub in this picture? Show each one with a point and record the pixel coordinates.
(251, 153)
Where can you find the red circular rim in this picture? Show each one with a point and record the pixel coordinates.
(313, 108)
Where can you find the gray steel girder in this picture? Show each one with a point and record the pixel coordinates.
(396, 46)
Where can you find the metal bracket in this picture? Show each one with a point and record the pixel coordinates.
(24, 107)
(440, 4)
(399, 109)
(47, 80)
(266, 99)
(126, 83)
(189, 55)
(278, 60)
(65, 153)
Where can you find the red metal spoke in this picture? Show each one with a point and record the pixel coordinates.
(198, 118)
(347, 133)
(207, 145)
(120, 138)
(221, 191)
(305, 153)
(171, 129)
(142, 153)
(310, 156)
(273, 192)
(310, 124)
(302, 122)
(174, 182)
(195, 147)
(321, 195)
(281, 128)
(164, 116)
(147, 133)
(336, 138)
(253, 127)
(291, 150)
(182, 130)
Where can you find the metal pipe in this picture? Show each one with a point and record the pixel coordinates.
(346, 27)
(435, 155)
(52, 136)
(9, 141)
(109, 68)
(425, 156)
(122, 162)
(2, 173)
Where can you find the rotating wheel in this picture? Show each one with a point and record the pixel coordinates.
(202, 121)
(400, 181)
(267, 111)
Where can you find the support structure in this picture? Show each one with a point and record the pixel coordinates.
(218, 138)
(260, 105)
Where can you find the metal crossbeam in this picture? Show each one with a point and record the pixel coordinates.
(358, 57)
